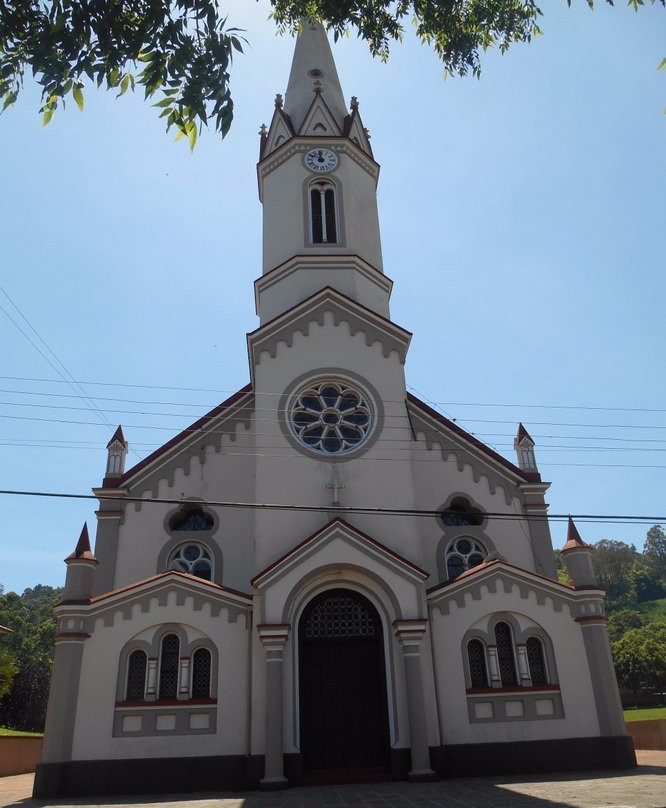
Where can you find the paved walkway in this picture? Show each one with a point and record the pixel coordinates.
(644, 787)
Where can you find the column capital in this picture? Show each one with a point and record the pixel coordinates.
(273, 634)
(410, 631)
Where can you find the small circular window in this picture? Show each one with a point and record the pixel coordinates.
(194, 558)
(332, 417)
(463, 554)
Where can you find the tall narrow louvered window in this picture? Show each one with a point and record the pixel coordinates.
(322, 213)
(536, 661)
(201, 674)
(477, 663)
(169, 663)
(136, 676)
(505, 658)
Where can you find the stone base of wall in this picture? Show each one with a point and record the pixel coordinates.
(19, 755)
(85, 778)
(648, 734)
(533, 757)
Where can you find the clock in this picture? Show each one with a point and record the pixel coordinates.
(321, 160)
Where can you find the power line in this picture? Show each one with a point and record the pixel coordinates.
(581, 517)
(279, 393)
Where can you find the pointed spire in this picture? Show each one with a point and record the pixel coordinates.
(118, 437)
(82, 549)
(116, 453)
(574, 541)
(313, 71)
(522, 434)
(523, 446)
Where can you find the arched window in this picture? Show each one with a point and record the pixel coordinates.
(323, 224)
(460, 513)
(136, 676)
(505, 657)
(463, 554)
(192, 557)
(194, 518)
(476, 655)
(201, 664)
(169, 664)
(536, 661)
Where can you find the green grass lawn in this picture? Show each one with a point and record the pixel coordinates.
(645, 714)
(17, 733)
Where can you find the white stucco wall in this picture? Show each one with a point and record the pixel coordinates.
(93, 739)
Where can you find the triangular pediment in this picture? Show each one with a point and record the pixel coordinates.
(279, 132)
(319, 121)
(357, 133)
(159, 590)
(350, 547)
(313, 311)
(501, 577)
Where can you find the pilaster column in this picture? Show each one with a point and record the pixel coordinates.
(274, 639)
(493, 667)
(523, 665)
(151, 686)
(184, 678)
(410, 633)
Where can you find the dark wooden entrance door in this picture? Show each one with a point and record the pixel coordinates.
(342, 684)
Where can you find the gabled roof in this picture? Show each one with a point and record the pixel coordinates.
(335, 528)
(474, 443)
(187, 434)
(5, 630)
(486, 577)
(170, 578)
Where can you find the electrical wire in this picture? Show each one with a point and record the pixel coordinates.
(581, 517)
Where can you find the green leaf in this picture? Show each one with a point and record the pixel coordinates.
(661, 64)
(48, 114)
(124, 85)
(78, 96)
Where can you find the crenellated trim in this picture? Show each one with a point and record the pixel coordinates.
(313, 311)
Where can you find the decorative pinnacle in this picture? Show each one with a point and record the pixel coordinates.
(367, 132)
(354, 103)
(263, 131)
(279, 101)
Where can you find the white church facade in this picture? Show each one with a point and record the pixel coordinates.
(400, 616)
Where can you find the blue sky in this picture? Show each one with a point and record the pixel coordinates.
(522, 222)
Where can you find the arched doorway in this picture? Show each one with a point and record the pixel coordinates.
(343, 706)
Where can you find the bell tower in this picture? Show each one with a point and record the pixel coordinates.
(317, 184)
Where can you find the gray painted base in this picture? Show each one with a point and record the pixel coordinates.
(239, 772)
(533, 757)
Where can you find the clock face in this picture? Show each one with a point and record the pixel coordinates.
(321, 160)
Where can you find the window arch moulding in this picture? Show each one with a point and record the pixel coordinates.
(209, 555)
(497, 700)
(318, 207)
(150, 715)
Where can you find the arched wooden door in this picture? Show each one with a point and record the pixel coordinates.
(343, 706)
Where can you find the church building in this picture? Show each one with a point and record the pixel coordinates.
(323, 579)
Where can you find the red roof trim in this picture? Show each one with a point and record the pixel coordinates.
(461, 433)
(487, 565)
(160, 576)
(336, 293)
(326, 527)
(181, 436)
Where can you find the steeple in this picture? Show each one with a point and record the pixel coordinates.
(318, 187)
(313, 73)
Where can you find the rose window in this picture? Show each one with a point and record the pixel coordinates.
(193, 558)
(463, 554)
(331, 417)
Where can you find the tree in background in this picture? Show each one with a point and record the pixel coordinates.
(619, 623)
(182, 50)
(612, 561)
(30, 615)
(640, 658)
(655, 549)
